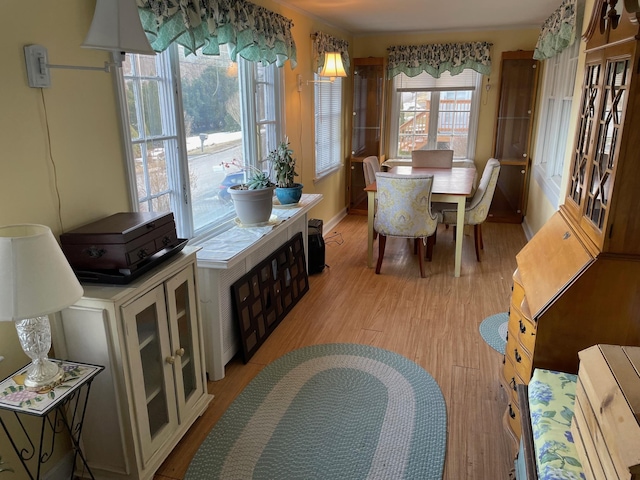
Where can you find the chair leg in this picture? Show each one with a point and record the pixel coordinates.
(382, 242)
(480, 235)
(431, 241)
(477, 233)
(421, 256)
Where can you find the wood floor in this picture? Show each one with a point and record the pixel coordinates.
(432, 321)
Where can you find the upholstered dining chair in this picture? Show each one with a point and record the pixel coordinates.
(478, 207)
(432, 158)
(371, 166)
(404, 210)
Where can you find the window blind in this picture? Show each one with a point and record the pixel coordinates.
(328, 107)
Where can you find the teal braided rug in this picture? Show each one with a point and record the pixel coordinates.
(493, 330)
(335, 411)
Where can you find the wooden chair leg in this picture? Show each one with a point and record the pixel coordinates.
(421, 256)
(477, 234)
(415, 245)
(480, 235)
(431, 241)
(382, 242)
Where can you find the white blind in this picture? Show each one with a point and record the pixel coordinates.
(328, 117)
(463, 81)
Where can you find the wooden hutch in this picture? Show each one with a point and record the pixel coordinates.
(577, 281)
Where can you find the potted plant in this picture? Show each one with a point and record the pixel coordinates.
(252, 199)
(283, 164)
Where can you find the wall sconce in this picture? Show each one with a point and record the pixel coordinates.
(332, 68)
(115, 27)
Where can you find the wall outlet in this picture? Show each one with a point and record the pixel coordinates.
(299, 82)
(38, 73)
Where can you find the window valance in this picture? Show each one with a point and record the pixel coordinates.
(558, 31)
(251, 31)
(437, 58)
(325, 43)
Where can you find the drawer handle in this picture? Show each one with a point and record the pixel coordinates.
(142, 253)
(566, 235)
(95, 252)
(506, 339)
(513, 383)
(151, 225)
(512, 414)
(517, 356)
(523, 329)
(166, 241)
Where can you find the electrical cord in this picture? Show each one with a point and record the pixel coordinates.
(335, 237)
(53, 163)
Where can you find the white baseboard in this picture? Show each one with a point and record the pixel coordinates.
(62, 469)
(330, 225)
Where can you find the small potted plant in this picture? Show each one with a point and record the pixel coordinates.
(252, 199)
(283, 164)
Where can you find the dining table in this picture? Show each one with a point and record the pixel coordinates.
(450, 185)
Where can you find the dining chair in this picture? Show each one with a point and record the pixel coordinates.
(371, 166)
(478, 207)
(404, 210)
(432, 158)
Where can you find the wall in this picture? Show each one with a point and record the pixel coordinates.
(502, 40)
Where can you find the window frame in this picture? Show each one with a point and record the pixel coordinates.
(323, 100)
(394, 126)
(177, 169)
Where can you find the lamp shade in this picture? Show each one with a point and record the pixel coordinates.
(333, 66)
(35, 276)
(116, 27)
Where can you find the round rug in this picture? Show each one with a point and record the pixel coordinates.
(494, 331)
(330, 411)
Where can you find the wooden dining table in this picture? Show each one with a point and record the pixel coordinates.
(450, 185)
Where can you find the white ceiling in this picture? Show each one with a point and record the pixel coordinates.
(387, 16)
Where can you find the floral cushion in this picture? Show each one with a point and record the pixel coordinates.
(551, 402)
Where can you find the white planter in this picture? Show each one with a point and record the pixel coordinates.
(253, 207)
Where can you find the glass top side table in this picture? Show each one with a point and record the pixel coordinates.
(60, 409)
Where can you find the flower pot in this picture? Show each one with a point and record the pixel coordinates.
(289, 195)
(253, 207)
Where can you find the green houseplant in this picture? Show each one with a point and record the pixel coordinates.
(252, 199)
(283, 164)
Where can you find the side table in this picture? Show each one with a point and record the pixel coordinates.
(60, 409)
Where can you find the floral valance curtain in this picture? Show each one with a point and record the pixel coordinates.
(325, 43)
(251, 31)
(437, 58)
(558, 31)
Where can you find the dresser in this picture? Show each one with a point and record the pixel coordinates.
(577, 281)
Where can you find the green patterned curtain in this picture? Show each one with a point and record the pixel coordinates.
(437, 58)
(325, 43)
(558, 31)
(251, 31)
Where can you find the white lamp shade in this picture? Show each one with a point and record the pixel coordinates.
(116, 27)
(333, 66)
(35, 276)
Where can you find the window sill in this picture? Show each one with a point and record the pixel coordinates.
(328, 173)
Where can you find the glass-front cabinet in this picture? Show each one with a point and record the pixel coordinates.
(367, 125)
(512, 141)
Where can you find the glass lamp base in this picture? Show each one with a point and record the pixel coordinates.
(43, 375)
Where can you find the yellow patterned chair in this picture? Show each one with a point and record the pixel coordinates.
(404, 210)
(478, 208)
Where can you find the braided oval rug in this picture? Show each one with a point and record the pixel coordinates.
(334, 411)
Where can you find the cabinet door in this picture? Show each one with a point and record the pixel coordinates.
(185, 347)
(147, 340)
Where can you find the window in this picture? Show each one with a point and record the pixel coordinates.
(435, 113)
(553, 123)
(328, 124)
(193, 121)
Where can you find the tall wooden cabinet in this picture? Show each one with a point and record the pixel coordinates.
(512, 141)
(578, 279)
(367, 125)
(148, 335)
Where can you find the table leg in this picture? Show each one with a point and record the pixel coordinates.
(459, 232)
(371, 196)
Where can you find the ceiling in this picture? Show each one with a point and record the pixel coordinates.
(361, 17)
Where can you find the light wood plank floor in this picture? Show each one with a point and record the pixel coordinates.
(432, 321)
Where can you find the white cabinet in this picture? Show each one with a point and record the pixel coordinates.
(148, 335)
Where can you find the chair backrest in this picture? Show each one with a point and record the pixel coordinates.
(478, 209)
(432, 158)
(404, 205)
(370, 166)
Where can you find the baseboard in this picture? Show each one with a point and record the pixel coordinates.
(527, 229)
(331, 224)
(62, 469)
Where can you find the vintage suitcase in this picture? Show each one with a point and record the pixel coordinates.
(123, 242)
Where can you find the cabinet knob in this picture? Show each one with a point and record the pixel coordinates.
(180, 352)
(523, 329)
(517, 356)
(171, 360)
(512, 414)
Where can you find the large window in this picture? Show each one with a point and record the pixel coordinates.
(553, 122)
(192, 122)
(328, 125)
(435, 113)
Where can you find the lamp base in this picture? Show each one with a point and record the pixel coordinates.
(43, 375)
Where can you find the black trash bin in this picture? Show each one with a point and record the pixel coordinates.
(316, 246)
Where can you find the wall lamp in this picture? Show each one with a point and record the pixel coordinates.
(332, 68)
(115, 27)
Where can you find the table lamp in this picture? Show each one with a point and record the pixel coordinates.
(35, 280)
